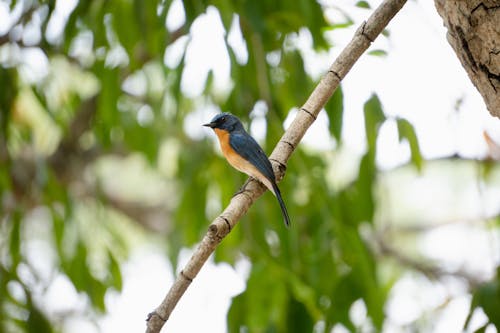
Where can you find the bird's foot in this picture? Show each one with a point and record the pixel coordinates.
(244, 187)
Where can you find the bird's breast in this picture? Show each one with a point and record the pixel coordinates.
(237, 161)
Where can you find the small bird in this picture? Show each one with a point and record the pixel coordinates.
(245, 154)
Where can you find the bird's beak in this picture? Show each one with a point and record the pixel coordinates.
(211, 125)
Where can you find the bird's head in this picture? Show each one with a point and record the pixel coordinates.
(225, 121)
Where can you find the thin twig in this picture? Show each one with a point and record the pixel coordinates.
(240, 203)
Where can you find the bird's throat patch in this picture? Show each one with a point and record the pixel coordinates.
(223, 140)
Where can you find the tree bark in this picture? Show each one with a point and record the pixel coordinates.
(474, 34)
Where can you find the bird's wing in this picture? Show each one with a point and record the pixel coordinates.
(250, 150)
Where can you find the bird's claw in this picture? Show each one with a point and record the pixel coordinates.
(244, 187)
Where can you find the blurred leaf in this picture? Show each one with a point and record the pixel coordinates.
(374, 117)
(37, 321)
(262, 307)
(58, 226)
(13, 4)
(126, 28)
(96, 290)
(299, 318)
(289, 83)
(406, 131)
(363, 4)
(482, 329)
(378, 53)
(486, 169)
(77, 269)
(364, 188)
(142, 138)
(15, 238)
(306, 295)
(107, 113)
(7, 96)
(335, 110)
(342, 297)
(115, 272)
(151, 26)
(487, 297)
(342, 25)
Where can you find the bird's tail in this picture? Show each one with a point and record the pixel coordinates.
(277, 192)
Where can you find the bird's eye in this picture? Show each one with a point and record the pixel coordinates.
(223, 119)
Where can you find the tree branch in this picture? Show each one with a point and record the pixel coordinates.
(240, 203)
(473, 34)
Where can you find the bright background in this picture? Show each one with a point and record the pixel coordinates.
(419, 79)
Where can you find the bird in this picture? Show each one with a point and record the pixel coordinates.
(245, 155)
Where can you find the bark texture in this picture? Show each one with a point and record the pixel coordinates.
(474, 33)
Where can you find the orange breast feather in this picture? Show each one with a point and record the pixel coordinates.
(239, 162)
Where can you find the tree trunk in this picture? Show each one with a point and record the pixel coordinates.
(474, 33)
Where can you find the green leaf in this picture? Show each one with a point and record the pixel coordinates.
(237, 313)
(364, 189)
(96, 291)
(342, 25)
(77, 269)
(37, 321)
(487, 296)
(374, 117)
(335, 110)
(288, 92)
(299, 318)
(306, 295)
(115, 272)
(107, 113)
(345, 293)
(363, 4)
(486, 169)
(263, 305)
(15, 238)
(378, 53)
(407, 131)
(13, 4)
(58, 226)
(482, 329)
(142, 139)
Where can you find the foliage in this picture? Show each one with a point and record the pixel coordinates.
(93, 151)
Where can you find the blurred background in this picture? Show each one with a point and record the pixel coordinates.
(108, 180)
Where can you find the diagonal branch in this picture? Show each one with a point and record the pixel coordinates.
(240, 203)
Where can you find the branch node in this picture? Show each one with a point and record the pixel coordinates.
(309, 113)
(362, 32)
(154, 313)
(227, 223)
(337, 75)
(281, 165)
(289, 143)
(185, 277)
